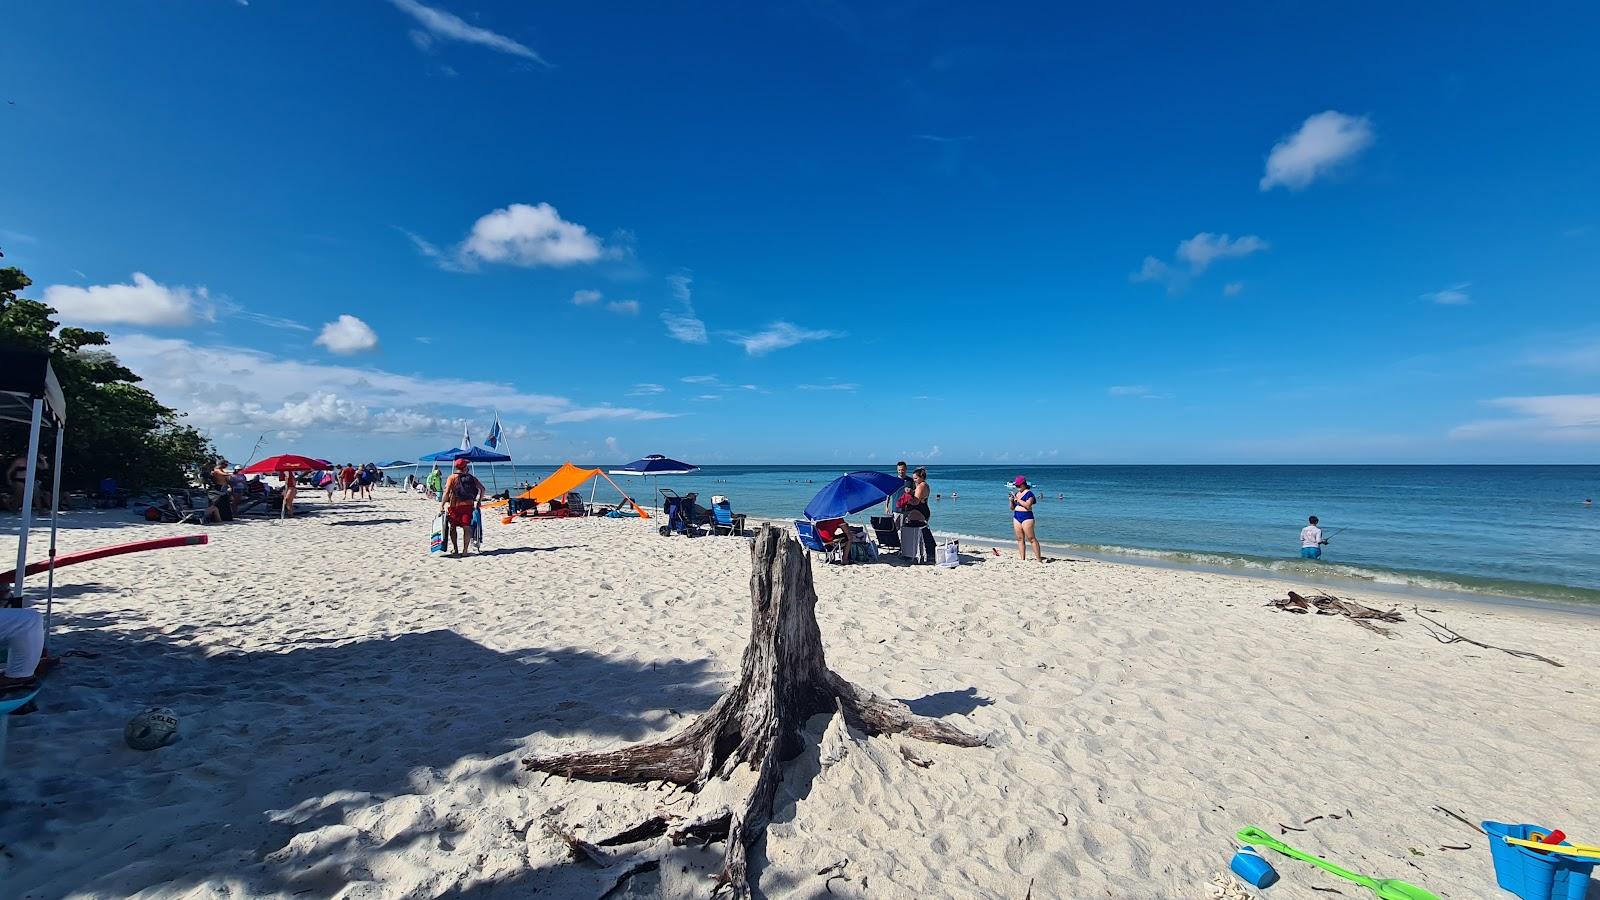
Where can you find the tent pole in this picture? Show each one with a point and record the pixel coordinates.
(32, 472)
(55, 511)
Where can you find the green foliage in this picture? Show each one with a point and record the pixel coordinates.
(114, 427)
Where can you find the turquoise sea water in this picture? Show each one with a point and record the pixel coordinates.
(1517, 531)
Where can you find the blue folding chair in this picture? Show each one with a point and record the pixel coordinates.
(809, 539)
(724, 520)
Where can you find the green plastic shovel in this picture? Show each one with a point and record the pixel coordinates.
(1384, 888)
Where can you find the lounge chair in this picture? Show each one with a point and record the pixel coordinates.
(723, 519)
(811, 540)
(888, 535)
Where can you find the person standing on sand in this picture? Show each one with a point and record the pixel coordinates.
(462, 493)
(435, 482)
(1022, 523)
(1311, 540)
(917, 511)
(891, 504)
(290, 489)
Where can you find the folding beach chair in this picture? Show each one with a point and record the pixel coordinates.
(676, 511)
(887, 533)
(723, 519)
(181, 513)
(811, 540)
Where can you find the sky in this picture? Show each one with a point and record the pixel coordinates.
(819, 232)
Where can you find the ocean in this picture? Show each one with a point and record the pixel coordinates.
(1509, 531)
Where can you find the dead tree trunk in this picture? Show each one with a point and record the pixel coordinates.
(783, 681)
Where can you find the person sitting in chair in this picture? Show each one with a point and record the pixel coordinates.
(836, 533)
(22, 631)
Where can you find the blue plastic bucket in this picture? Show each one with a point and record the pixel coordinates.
(1530, 874)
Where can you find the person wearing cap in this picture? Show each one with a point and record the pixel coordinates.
(1022, 501)
(462, 492)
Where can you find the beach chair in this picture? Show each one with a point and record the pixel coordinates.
(177, 513)
(809, 539)
(675, 510)
(723, 519)
(888, 534)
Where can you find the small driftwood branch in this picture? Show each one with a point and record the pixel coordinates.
(1444, 634)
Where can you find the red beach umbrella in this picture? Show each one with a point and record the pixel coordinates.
(288, 462)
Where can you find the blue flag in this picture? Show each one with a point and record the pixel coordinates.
(493, 440)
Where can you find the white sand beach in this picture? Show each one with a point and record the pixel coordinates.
(354, 714)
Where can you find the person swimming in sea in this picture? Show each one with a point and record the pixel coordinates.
(1311, 540)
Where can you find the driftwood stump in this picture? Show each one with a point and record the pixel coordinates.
(783, 681)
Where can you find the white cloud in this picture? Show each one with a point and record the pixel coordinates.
(1552, 417)
(709, 397)
(699, 379)
(842, 386)
(606, 412)
(1323, 142)
(1199, 252)
(1455, 295)
(144, 302)
(1205, 248)
(646, 390)
(683, 325)
(1141, 391)
(584, 298)
(347, 334)
(777, 336)
(612, 447)
(624, 307)
(523, 235)
(1581, 356)
(438, 24)
(1233, 289)
(223, 386)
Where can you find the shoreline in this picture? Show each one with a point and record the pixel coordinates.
(1160, 559)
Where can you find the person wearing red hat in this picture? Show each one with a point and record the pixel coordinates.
(462, 493)
(1022, 500)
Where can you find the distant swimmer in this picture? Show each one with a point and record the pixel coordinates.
(1588, 502)
(1312, 541)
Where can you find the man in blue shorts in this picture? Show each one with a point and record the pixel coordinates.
(1312, 541)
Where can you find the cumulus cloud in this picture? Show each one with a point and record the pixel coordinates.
(1551, 417)
(1206, 248)
(142, 302)
(523, 235)
(623, 307)
(778, 336)
(1455, 295)
(1198, 253)
(436, 24)
(1322, 143)
(234, 387)
(682, 323)
(347, 334)
(584, 298)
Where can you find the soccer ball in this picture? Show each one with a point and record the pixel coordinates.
(151, 729)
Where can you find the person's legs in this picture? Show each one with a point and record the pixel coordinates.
(1032, 534)
(22, 630)
(928, 547)
(1022, 538)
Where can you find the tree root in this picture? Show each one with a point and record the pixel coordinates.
(784, 680)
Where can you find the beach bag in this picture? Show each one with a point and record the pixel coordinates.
(863, 551)
(436, 543)
(950, 554)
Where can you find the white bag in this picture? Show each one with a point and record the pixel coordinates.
(950, 554)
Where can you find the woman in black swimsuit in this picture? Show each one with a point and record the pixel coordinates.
(917, 511)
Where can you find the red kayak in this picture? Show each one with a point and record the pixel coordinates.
(67, 559)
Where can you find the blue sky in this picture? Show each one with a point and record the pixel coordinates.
(816, 232)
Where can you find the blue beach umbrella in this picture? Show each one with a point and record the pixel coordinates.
(851, 494)
(394, 464)
(655, 464)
